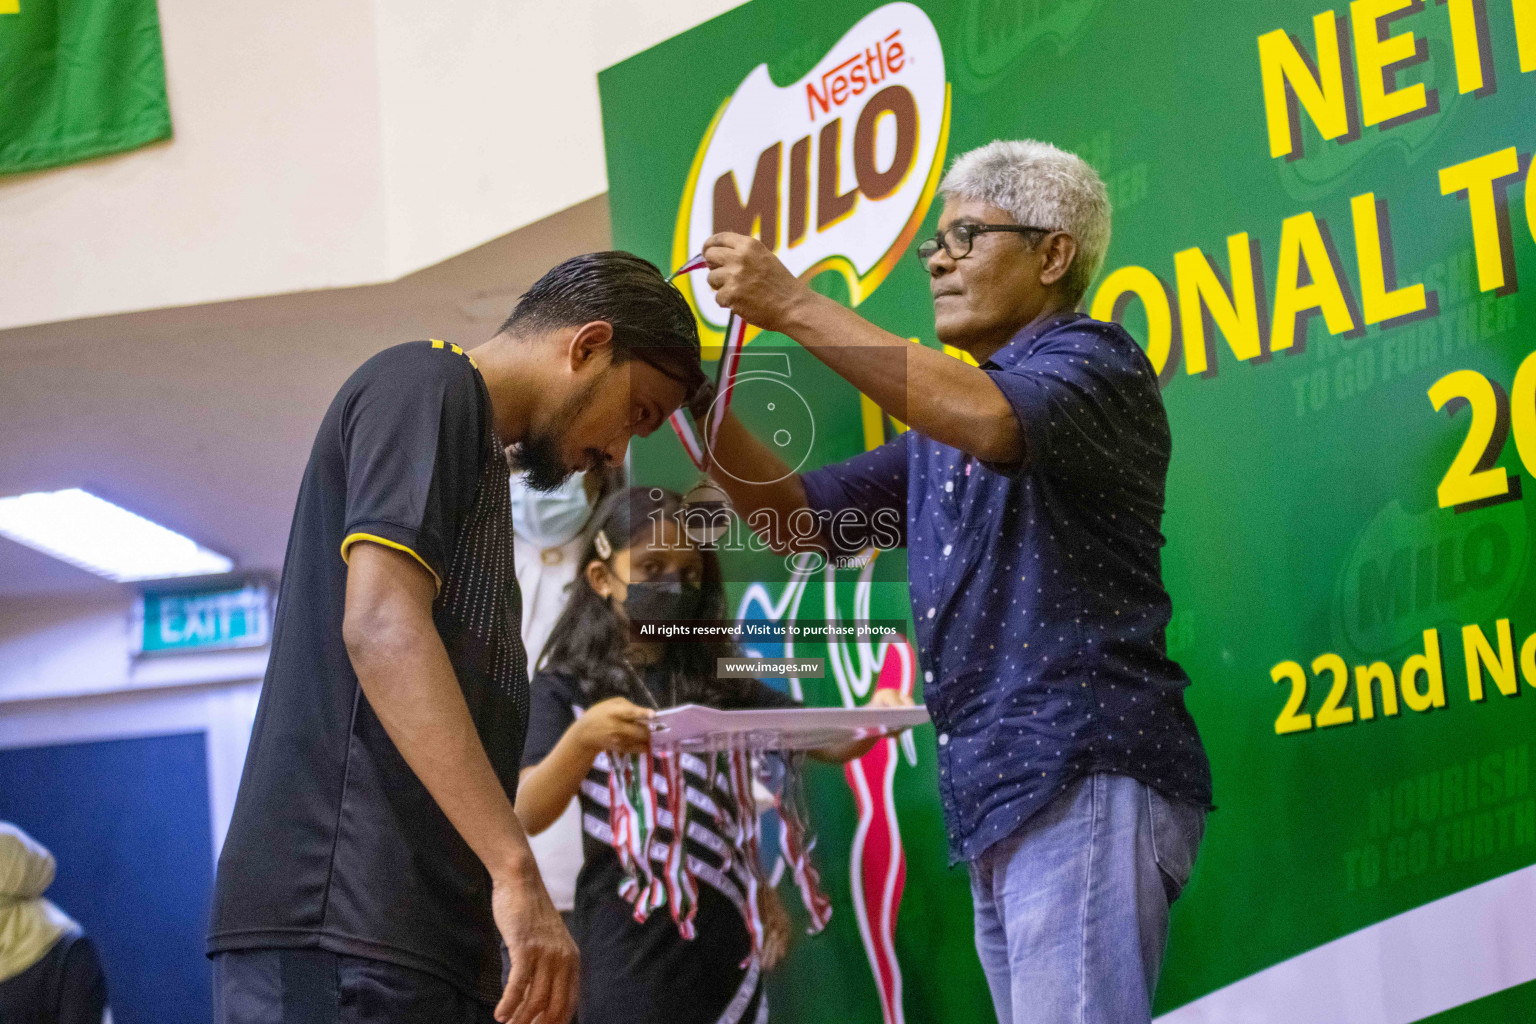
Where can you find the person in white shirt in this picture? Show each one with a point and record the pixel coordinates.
(549, 528)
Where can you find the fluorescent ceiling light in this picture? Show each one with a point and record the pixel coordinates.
(77, 527)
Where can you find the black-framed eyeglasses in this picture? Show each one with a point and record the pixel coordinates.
(957, 239)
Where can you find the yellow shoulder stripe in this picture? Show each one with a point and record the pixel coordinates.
(456, 351)
(353, 538)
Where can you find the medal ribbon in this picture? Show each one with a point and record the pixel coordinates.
(796, 842)
(725, 383)
(747, 831)
(682, 886)
(720, 770)
(632, 816)
(621, 819)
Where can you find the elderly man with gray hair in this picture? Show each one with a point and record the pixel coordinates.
(1031, 488)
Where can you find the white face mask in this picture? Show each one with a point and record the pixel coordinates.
(549, 519)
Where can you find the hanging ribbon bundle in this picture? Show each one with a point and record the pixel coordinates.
(647, 791)
(699, 450)
(725, 816)
(682, 886)
(632, 811)
(748, 827)
(796, 842)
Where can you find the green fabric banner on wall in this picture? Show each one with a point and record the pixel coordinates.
(79, 79)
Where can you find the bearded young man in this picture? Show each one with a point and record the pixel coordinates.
(1031, 490)
(374, 857)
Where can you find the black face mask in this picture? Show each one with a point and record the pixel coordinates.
(664, 599)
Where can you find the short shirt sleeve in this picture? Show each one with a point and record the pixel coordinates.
(413, 447)
(1087, 400)
(552, 703)
(862, 501)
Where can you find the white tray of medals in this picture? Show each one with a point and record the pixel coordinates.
(695, 728)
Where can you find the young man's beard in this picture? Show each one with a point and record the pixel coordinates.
(538, 454)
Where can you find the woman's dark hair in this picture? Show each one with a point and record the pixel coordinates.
(589, 640)
(651, 319)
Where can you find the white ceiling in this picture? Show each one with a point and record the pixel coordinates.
(201, 418)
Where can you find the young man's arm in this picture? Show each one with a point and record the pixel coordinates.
(944, 398)
(840, 508)
(410, 684)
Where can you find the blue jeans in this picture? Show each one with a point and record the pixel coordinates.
(1072, 909)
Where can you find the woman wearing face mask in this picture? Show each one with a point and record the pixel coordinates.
(595, 692)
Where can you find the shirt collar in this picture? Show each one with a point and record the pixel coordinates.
(1019, 345)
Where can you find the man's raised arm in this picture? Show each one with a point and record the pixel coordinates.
(769, 507)
(410, 684)
(944, 398)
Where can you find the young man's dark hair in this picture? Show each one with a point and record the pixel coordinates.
(650, 318)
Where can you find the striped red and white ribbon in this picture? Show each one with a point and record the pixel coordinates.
(748, 829)
(700, 450)
(796, 843)
(682, 886)
(632, 815)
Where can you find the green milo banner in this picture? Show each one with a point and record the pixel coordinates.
(1322, 222)
(79, 79)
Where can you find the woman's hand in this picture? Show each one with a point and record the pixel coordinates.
(776, 928)
(615, 724)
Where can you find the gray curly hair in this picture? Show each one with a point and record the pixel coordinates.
(1038, 184)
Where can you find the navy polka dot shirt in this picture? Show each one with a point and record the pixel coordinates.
(1037, 590)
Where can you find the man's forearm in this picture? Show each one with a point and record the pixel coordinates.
(939, 396)
(740, 459)
(410, 684)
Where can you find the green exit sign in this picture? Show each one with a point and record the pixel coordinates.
(204, 620)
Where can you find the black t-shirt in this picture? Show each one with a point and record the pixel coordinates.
(334, 842)
(648, 973)
(64, 987)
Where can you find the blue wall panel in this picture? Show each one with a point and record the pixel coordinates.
(128, 821)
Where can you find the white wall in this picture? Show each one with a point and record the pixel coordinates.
(65, 647)
(66, 677)
(322, 145)
(489, 125)
(272, 183)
